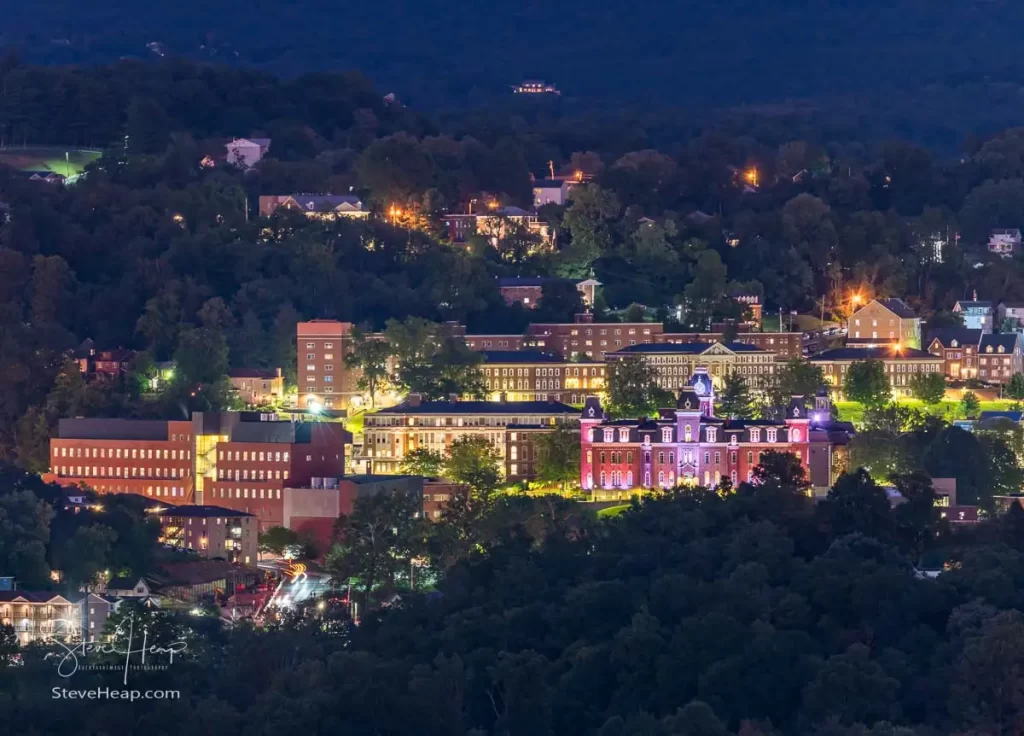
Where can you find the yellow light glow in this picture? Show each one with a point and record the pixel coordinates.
(856, 298)
(578, 175)
(751, 176)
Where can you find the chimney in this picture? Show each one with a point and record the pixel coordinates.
(279, 374)
(414, 400)
(583, 318)
(453, 398)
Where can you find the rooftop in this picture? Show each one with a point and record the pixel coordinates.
(689, 348)
(199, 512)
(252, 373)
(481, 407)
(897, 307)
(113, 429)
(946, 335)
(887, 353)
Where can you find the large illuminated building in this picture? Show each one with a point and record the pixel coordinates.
(689, 445)
(239, 460)
(511, 427)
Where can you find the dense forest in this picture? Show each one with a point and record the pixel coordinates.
(931, 70)
(694, 614)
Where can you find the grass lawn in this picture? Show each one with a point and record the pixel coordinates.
(48, 158)
(354, 422)
(850, 411)
(612, 511)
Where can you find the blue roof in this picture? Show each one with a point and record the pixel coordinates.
(481, 407)
(1006, 340)
(1013, 416)
(686, 348)
(849, 353)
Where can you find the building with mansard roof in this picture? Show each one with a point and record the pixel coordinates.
(689, 445)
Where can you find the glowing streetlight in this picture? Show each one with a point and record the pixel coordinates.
(395, 213)
(751, 176)
(578, 175)
(856, 299)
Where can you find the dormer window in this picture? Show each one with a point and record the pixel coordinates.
(771, 435)
(755, 435)
(988, 349)
(623, 435)
(1001, 349)
(733, 440)
(712, 434)
(954, 344)
(608, 435)
(666, 435)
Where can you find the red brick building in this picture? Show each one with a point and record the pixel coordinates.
(211, 532)
(528, 291)
(958, 348)
(784, 345)
(260, 459)
(238, 460)
(321, 346)
(145, 457)
(691, 446)
(530, 375)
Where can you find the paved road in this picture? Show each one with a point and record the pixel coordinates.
(298, 586)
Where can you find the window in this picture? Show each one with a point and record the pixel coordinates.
(688, 433)
(794, 434)
(608, 435)
(666, 435)
(623, 435)
(718, 458)
(771, 435)
(310, 345)
(310, 356)
(712, 434)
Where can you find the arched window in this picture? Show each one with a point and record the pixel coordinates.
(795, 434)
(629, 479)
(590, 480)
(672, 458)
(602, 478)
(688, 434)
(671, 478)
(661, 457)
(647, 480)
(661, 478)
(707, 478)
(732, 477)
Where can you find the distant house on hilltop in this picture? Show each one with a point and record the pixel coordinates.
(50, 177)
(247, 152)
(314, 206)
(977, 314)
(1004, 242)
(535, 87)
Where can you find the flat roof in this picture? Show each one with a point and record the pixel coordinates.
(196, 511)
(142, 430)
(481, 407)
